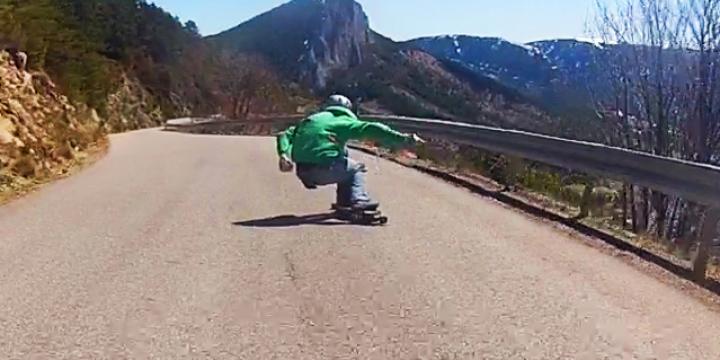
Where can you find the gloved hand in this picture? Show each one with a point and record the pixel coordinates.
(417, 139)
(285, 164)
(412, 140)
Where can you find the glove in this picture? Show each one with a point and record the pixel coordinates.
(415, 139)
(412, 140)
(286, 165)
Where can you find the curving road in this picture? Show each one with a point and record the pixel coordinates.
(175, 247)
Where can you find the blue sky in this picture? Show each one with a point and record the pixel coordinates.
(515, 20)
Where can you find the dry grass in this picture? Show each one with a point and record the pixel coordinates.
(14, 187)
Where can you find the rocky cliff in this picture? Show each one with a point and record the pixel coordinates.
(337, 42)
(307, 40)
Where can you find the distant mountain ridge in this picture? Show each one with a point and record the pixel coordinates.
(520, 66)
(558, 73)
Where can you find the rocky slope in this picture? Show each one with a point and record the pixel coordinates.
(99, 66)
(308, 40)
(134, 62)
(40, 130)
(130, 107)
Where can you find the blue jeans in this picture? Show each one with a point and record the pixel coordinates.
(348, 174)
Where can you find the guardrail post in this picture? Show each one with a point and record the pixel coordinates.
(585, 202)
(709, 232)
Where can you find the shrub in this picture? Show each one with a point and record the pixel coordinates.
(25, 166)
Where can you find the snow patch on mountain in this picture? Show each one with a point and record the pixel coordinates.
(458, 49)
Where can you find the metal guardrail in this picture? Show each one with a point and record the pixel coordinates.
(695, 182)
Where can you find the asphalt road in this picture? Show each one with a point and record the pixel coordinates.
(185, 247)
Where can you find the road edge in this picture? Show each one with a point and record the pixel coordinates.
(92, 155)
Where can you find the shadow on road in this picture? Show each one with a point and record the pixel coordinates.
(325, 219)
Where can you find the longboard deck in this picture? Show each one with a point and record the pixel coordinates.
(364, 217)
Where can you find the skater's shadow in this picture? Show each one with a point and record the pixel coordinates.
(325, 219)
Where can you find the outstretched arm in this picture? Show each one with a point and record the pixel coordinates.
(365, 130)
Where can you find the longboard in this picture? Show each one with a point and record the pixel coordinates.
(360, 217)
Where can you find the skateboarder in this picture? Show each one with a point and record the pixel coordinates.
(317, 145)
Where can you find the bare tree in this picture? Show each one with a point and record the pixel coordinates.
(648, 83)
(665, 80)
(247, 87)
(703, 127)
(699, 113)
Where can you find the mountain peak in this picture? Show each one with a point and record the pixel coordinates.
(307, 40)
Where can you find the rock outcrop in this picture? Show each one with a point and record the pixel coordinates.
(130, 108)
(40, 130)
(21, 60)
(336, 42)
(307, 40)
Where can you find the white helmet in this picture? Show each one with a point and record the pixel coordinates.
(339, 100)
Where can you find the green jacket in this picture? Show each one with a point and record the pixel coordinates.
(321, 138)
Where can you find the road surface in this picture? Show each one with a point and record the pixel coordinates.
(185, 247)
